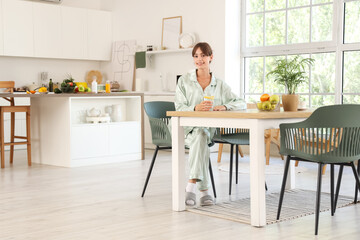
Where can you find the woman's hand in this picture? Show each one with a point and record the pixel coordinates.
(220, 108)
(204, 106)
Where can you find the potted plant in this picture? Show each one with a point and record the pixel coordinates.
(290, 73)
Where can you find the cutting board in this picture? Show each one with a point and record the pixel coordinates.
(90, 76)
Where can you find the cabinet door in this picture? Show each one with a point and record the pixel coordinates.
(1, 30)
(124, 138)
(99, 35)
(47, 30)
(89, 140)
(74, 33)
(18, 28)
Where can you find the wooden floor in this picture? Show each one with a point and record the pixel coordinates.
(103, 202)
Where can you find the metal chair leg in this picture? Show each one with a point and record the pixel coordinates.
(231, 166)
(356, 175)
(266, 188)
(286, 169)
(332, 188)
(357, 188)
(318, 197)
(212, 178)
(237, 162)
(150, 170)
(341, 169)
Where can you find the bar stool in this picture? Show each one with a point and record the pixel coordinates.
(12, 109)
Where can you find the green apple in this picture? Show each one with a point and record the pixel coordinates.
(259, 105)
(88, 89)
(274, 98)
(266, 105)
(273, 106)
(81, 88)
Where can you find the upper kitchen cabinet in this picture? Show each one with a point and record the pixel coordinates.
(18, 28)
(1, 31)
(99, 35)
(47, 30)
(74, 33)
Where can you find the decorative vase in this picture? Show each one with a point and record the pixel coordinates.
(118, 112)
(290, 102)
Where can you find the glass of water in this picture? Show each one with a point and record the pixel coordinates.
(211, 99)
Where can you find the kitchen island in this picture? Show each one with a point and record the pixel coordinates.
(61, 136)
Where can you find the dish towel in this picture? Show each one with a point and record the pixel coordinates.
(140, 59)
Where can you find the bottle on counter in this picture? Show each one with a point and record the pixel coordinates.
(107, 86)
(51, 86)
(94, 85)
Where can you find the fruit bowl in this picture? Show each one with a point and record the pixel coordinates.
(267, 106)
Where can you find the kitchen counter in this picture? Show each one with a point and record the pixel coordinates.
(61, 135)
(52, 95)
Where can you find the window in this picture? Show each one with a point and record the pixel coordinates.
(325, 30)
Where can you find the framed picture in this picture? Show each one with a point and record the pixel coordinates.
(171, 30)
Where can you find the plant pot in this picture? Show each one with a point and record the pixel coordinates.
(290, 102)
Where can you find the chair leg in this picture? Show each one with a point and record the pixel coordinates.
(332, 188)
(266, 188)
(237, 162)
(318, 197)
(296, 163)
(12, 134)
(231, 166)
(150, 170)
(356, 175)
(221, 145)
(267, 149)
(212, 178)
(28, 135)
(341, 169)
(2, 146)
(286, 169)
(324, 169)
(241, 152)
(357, 188)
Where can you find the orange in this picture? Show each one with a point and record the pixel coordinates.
(265, 97)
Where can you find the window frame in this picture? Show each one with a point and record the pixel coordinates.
(336, 45)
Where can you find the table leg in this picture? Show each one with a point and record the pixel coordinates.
(178, 165)
(257, 175)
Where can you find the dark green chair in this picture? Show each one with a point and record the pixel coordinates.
(160, 133)
(234, 137)
(298, 143)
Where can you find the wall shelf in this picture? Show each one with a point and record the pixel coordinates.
(180, 50)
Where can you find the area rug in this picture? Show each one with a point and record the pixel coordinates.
(297, 203)
(272, 169)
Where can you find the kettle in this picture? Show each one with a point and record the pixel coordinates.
(94, 112)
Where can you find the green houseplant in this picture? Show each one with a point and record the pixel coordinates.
(290, 73)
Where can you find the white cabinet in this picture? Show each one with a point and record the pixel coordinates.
(32, 29)
(18, 28)
(47, 30)
(74, 33)
(99, 35)
(81, 147)
(123, 133)
(1, 30)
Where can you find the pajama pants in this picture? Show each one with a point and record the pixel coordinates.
(199, 153)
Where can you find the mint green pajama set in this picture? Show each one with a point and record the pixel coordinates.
(189, 93)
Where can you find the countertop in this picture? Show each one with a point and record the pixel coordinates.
(42, 95)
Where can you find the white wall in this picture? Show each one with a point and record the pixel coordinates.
(24, 71)
(142, 20)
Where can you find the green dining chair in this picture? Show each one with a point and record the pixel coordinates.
(234, 137)
(160, 133)
(338, 149)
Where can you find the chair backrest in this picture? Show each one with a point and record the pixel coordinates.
(330, 134)
(8, 84)
(159, 122)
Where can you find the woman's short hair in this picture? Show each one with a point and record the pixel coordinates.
(204, 47)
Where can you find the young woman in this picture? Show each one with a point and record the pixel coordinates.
(190, 92)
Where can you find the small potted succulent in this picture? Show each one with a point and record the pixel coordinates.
(290, 73)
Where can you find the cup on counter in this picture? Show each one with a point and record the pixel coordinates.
(211, 99)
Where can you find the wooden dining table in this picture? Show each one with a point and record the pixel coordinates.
(254, 120)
